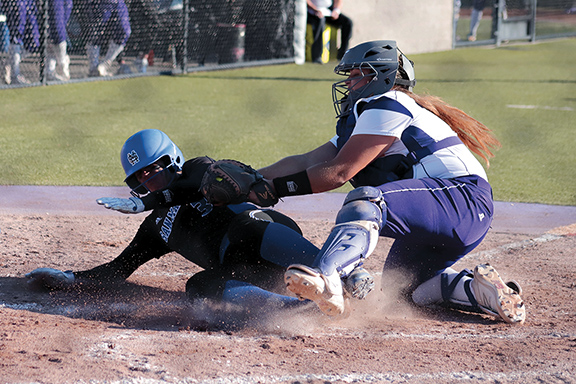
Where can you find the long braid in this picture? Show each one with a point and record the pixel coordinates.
(475, 135)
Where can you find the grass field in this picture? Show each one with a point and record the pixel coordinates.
(71, 134)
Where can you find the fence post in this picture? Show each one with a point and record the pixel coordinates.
(186, 16)
(533, 22)
(44, 35)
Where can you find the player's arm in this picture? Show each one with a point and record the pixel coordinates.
(298, 163)
(317, 171)
(330, 172)
(336, 9)
(143, 248)
(355, 155)
(184, 189)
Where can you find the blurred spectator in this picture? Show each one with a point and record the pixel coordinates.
(475, 17)
(58, 61)
(21, 19)
(322, 12)
(109, 25)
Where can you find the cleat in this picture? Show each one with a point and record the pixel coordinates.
(514, 286)
(104, 70)
(495, 297)
(326, 291)
(19, 80)
(359, 283)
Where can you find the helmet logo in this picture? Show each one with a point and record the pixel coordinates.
(133, 157)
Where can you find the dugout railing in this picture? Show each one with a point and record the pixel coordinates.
(111, 38)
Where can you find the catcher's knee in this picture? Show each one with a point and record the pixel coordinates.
(362, 204)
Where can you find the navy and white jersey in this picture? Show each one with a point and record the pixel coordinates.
(396, 114)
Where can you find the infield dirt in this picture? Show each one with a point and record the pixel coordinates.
(145, 331)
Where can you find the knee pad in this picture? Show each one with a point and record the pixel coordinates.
(362, 204)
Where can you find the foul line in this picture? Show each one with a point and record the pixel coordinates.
(569, 109)
(517, 245)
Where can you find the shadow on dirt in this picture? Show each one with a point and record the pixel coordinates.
(143, 307)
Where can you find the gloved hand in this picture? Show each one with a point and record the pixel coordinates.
(50, 278)
(131, 205)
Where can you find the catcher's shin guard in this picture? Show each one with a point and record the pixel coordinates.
(355, 234)
(352, 239)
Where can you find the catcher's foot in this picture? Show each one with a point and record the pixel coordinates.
(326, 291)
(497, 298)
(359, 283)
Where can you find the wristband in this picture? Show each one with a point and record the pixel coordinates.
(293, 185)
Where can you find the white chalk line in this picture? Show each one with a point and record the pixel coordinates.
(389, 377)
(545, 107)
(516, 245)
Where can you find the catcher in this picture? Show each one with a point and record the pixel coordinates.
(243, 250)
(417, 181)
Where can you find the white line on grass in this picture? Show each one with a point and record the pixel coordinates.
(520, 106)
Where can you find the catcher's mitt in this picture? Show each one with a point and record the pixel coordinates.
(230, 182)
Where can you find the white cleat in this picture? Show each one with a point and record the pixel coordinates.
(19, 80)
(497, 298)
(104, 70)
(326, 291)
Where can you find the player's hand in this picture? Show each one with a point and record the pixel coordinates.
(233, 182)
(50, 278)
(131, 205)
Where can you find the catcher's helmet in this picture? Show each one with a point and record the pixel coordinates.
(380, 60)
(147, 147)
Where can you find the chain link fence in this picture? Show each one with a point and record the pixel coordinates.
(481, 22)
(43, 41)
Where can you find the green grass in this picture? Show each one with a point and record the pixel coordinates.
(71, 134)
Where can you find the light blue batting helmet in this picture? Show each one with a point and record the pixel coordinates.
(144, 148)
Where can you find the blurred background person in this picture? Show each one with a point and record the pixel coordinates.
(58, 61)
(475, 17)
(22, 22)
(109, 26)
(322, 12)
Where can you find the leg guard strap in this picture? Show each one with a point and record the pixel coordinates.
(448, 290)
